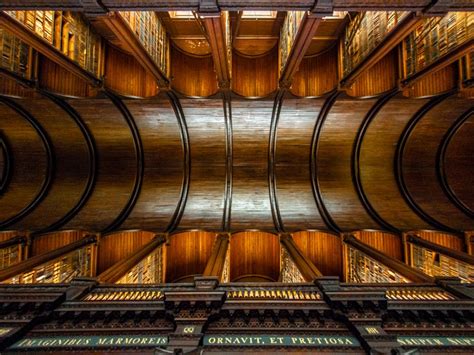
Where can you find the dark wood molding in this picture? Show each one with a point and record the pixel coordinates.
(46, 49)
(227, 216)
(50, 161)
(355, 161)
(390, 41)
(398, 164)
(272, 142)
(394, 264)
(127, 36)
(215, 264)
(184, 135)
(440, 63)
(139, 158)
(93, 161)
(19, 239)
(306, 31)
(455, 254)
(30, 263)
(324, 213)
(309, 271)
(441, 166)
(116, 271)
(7, 164)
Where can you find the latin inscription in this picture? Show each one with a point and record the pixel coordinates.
(435, 341)
(269, 340)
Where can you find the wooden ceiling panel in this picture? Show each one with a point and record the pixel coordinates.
(419, 163)
(162, 179)
(294, 190)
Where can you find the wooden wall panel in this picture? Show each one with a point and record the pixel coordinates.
(419, 163)
(29, 162)
(387, 243)
(192, 76)
(163, 173)
(323, 249)
(334, 163)
(380, 78)
(54, 78)
(206, 127)
(255, 77)
(117, 246)
(317, 75)
(294, 190)
(187, 254)
(445, 239)
(126, 76)
(5, 235)
(441, 81)
(47, 242)
(12, 88)
(377, 155)
(254, 253)
(71, 164)
(116, 164)
(459, 165)
(250, 198)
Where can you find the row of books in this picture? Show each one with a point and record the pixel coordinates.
(14, 54)
(152, 35)
(68, 31)
(436, 37)
(364, 32)
(288, 34)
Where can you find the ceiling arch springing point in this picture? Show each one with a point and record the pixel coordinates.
(7, 164)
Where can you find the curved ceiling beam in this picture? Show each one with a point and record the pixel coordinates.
(398, 168)
(140, 158)
(355, 161)
(50, 163)
(7, 164)
(227, 217)
(92, 154)
(272, 141)
(440, 163)
(332, 226)
(178, 213)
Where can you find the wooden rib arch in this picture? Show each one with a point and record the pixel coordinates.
(398, 163)
(440, 163)
(50, 162)
(324, 213)
(227, 215)
(7, 164)
(355, 161)
(139, 156)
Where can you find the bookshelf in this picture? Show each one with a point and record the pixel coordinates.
(288, 34)
(14, 54)
(151, 34)
(364, 32)
(68, 32)
(435, 37)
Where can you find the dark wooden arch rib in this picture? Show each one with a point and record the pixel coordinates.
(272, 141)
(440, 163)
(227, 216)
(398, 164)
(331, 225)
(140, 159)
(7, 164)
(355, 161)
(50, 162)
(183, 129)
(92, 154)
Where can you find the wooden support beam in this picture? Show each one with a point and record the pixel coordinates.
(306, 31)
(124, 33)
(45, 48)
(455, 254)
(304, 265)
(116, 271)
(391, 40)
(394, 264)
(215, 264)
(214, 23)
(29, 264)
(440, 63)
